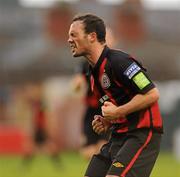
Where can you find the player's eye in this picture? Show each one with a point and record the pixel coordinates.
(72, 35)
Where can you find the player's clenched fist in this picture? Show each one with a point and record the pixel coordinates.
(99, 124)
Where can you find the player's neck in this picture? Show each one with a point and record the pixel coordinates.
(95, 54)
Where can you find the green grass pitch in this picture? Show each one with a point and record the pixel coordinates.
(73, 165)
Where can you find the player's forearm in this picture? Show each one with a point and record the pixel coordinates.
(139, 102)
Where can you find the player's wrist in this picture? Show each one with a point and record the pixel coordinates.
(121, 112)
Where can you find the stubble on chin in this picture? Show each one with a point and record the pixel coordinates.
(78, 55)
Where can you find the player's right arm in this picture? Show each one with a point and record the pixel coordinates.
(100, 125)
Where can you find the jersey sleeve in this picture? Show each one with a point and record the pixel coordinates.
(132, 75)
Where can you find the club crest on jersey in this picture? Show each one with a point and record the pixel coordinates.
(105, 81)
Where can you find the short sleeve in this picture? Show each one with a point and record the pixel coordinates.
(132, 75)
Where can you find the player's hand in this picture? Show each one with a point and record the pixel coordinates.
(110, 111)
(100, 125)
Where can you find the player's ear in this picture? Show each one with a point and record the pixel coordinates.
(92, 37)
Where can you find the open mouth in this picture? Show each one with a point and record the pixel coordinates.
(73, 47)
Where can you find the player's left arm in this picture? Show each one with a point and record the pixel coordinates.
(135, 79)
(138, 102)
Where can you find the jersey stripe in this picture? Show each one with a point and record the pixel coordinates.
(102, 68)
(157, 119)
(144, 120)
(107, 92)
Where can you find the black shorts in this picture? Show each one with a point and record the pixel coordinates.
(131, 154)
(40, 136)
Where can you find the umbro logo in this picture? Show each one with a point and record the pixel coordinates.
(118, 165)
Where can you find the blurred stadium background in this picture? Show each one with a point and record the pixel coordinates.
(35, 63)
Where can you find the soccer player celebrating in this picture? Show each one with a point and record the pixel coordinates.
(128, 101)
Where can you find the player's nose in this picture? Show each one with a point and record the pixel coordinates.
(70, 40)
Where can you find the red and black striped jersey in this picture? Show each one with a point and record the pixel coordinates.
(39, 115)
(118, 78)
(91, 98)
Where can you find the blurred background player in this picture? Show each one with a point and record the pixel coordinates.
(52, 53)
(40, 140)
(92, 142)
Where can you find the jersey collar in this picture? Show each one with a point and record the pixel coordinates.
(101, 58)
